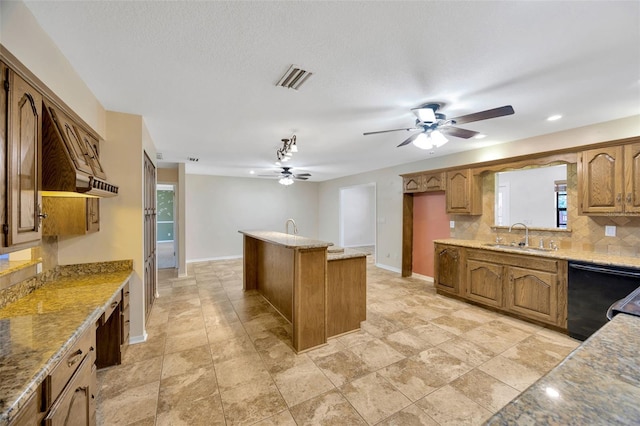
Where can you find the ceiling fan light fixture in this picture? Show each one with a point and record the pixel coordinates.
(422, 141)
(286, 181)
(437, 138)
(426, 115)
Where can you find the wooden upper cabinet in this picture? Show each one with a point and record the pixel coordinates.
(609, 180)
(412, 184)
(21, 154)
(426, 182)
(90, 144)
(76, 147)
(632, 178)
(464, 192)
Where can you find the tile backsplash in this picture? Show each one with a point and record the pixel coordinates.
(585, 233)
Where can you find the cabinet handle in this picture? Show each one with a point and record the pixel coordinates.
(629, 198)
(114, 304)
(619, 197)
(74, 357)
(126, 293)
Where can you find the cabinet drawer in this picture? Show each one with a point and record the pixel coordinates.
(59, 377)
(113, 304)
(73, 406)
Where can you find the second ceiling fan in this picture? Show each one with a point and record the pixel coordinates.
(431, 125)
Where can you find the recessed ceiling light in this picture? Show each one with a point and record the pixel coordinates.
(554, 117)
(480, 136)
(251, 172)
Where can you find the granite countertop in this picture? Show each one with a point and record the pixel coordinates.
(598, 383)
(581, 256)
(347, 253)
(286, 240)
(36, 330)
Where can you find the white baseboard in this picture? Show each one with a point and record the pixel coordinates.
(389, 268)
(207, 259)
(138, 339)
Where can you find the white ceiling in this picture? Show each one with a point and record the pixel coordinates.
(203, 74)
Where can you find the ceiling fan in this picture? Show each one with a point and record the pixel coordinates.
(287, 177)
(432, 125)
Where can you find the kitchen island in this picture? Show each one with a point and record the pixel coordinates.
(295, 274)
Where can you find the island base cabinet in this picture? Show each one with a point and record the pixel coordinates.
(346, 295)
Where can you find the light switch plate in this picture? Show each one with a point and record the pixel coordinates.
(38, 268)
(452, 224)
(609, 231)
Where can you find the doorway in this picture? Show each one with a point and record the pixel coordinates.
(166, 241)
(358, 217)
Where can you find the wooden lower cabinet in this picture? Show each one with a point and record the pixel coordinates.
(346, 295)
(484, 282)
(73, 407)
(448, 264)
(528, 286)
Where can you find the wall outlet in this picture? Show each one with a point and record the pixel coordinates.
(452, 224)
(609, 231)
(39, 268)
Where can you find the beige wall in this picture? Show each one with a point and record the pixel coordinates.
(167, 175)
(218, 207)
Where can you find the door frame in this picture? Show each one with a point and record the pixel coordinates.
(375, 211)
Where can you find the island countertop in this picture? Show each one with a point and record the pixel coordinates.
(598, 383)
(36, 330)
(286, 240)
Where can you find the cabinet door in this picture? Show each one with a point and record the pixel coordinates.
(89, 144)
(412, 184)
(434, 182)
(76, 148)
(93, 215)
(600, 182)
(484, 282)
(533, 294)
(632, 178)
(24, 135)
(464, 192)
(446, 269)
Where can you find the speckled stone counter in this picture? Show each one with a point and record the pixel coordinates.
(582, 256)
(345, 254)
(36, 330)
(598, 383)
(286, 240)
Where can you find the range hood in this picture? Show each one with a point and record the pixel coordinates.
(70, 163)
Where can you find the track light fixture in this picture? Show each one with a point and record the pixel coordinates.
(289, 146)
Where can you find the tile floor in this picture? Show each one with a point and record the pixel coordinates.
(218, 356)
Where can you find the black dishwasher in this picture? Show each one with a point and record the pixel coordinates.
(591, 290)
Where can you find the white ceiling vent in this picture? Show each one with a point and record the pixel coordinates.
(294, 77)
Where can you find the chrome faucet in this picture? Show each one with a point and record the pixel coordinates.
(295, 228)
(526, 232)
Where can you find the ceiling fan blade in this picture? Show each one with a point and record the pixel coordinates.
(393, 130)
(458, 133)
(485, 115)
(409, 140)
(303, 175)
(298, 177)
